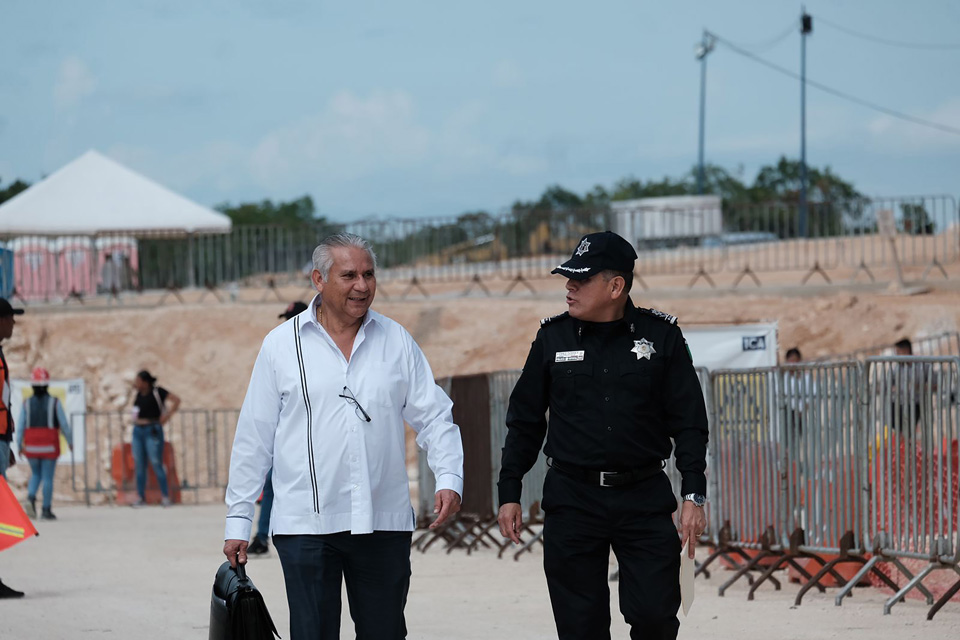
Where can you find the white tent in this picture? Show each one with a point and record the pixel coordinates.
(93, 194)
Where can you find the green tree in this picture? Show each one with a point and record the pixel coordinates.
(294, 213)
(12, 189)
(780, 182)
(775, 196)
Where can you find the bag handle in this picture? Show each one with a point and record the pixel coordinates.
(242, 574)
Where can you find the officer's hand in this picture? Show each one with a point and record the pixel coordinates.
(693, 522)
(511, 521)
(446, 503)
(236, 551)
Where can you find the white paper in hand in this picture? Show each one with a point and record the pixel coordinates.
(686, 580)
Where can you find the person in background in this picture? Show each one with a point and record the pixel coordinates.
(42, 420)
(152, 408)
(260, 544)
(7, 322)
(798, 386)
(912, 387)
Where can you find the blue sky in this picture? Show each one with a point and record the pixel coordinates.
(429, 108)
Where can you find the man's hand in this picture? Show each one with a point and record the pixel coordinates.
(693, 522)
(511, 521)
(236, 551)
(445, 503)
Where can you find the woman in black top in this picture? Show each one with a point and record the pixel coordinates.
(152, 407)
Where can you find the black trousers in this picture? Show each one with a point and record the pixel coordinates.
(582, 523)
(376, 568)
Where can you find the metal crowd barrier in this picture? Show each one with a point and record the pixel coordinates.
(743, 448)
(836, 463)
(201, 442)
(911, 432)
(517, 246)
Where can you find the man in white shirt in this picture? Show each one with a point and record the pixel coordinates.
(326, 406)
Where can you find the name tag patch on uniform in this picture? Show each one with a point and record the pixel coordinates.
(569, 356)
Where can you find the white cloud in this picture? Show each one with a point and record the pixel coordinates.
(351, 137)
(75, 82)
(353, 140)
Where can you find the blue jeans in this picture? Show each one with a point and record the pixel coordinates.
(4, 457)
(41, 469)
(266, 505)
(148, 444)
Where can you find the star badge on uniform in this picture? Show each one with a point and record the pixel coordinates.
(643, 348)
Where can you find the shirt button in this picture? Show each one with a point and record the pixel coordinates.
(607, 399)
(356, 487)
(609, 428)
(606, 370)
(569, 370)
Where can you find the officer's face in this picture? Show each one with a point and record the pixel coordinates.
(351, 285)
(592, 299)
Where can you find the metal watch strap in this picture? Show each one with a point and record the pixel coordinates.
(695, 498)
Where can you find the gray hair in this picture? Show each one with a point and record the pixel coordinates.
(323, 254)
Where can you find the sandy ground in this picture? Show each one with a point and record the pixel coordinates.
(115, 572)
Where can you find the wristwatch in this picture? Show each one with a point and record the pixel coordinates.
(696, 498)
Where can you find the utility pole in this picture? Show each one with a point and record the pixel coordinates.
(806, 28)
(706, 46)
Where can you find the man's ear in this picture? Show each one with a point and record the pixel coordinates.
(317, 280)
(617, 285)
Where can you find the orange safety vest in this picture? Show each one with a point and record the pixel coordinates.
(41, 441)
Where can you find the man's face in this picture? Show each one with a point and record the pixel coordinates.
(140, 385)
(901, 351)
(588, 299)
(351, 285)
(793, 358)
(6, 326)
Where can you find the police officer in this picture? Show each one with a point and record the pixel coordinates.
(619, 383)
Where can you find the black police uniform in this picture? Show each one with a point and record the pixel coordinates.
(617, 393)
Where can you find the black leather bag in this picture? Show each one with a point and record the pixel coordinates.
(237, 610)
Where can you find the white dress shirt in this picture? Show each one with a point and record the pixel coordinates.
(332, 470)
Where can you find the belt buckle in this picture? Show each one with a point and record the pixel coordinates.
(603, 478)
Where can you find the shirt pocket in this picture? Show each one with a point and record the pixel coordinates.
(570, 384)
(642, 377)
(384, 386)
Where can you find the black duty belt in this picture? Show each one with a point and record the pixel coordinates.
(606, 478)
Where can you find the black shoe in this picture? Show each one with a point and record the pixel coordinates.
(257, 547)
(47, 515)
(7, 592)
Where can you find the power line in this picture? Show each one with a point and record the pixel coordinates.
(936, 46)
(836, 92)
(766, 45)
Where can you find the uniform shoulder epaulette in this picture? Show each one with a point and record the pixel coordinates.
(559, 316)
(666, 317)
